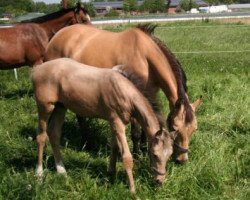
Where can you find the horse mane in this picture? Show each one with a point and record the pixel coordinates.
(52, 15)
(177, 69)
(131, 77)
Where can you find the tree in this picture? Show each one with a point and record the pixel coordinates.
(16, 7)
(70, 3)
(90, 8)
(39, 7)
(153, 6)
(168, 5)
(227, 2)
(187, 5)
(129, 5)
(159, 6)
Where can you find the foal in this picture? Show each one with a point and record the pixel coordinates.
(63, 84)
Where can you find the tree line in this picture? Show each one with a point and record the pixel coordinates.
(20, 7)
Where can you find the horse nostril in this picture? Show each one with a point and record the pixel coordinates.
(181, 161)
(159, 181)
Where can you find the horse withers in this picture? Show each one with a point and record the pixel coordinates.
(63, 84)
(25, 43)
(150, 65)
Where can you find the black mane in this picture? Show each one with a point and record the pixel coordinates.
(178, 71)
(53, 15)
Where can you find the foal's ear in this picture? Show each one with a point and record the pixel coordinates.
(158, 134)
(173, 134)
(197, 103)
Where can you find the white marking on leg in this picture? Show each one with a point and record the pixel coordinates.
(39, 170)
(60, 168)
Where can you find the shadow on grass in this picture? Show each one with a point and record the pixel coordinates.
(95, 164)
(71, 138)
(74, 138)
(17, 94)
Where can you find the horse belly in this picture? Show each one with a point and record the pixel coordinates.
(86, 109)
(84, 100)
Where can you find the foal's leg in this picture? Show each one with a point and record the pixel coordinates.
(54, 132)
(44, 112)
(118, 129)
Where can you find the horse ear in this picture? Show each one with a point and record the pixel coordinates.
(80, 5)
(197, 103)
(173, 134)
(158, 134)
(179, 105)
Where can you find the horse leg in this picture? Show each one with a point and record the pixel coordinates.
(143, 142)
(139, 138)
(113, 158)
(83, 126)
(43, 116)
(118, 129)
(54, 132)
(136, 136)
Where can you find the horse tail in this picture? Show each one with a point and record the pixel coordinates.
(176, 67)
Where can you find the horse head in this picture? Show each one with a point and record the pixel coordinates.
(182, 119)
(81, 14)
(160, 150)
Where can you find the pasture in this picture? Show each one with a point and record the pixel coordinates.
(216, 59)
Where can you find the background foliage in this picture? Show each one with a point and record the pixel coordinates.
(20, 7)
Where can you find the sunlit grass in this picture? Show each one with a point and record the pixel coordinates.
(219, 154)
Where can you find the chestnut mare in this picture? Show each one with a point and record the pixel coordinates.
(25, 43)
(63, 84)
(145, 59)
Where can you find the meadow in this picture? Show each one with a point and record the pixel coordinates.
(216, 59)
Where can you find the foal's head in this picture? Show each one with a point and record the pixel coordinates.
(160, 150)
(182, 120)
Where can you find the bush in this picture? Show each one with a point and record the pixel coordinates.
(187, 5)
(112, 13)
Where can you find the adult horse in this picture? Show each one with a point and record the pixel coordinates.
(145, 58)
(25, 43)
(63, 84)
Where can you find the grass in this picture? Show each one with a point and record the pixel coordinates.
(219, 156)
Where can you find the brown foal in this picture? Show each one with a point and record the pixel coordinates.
(63, 84)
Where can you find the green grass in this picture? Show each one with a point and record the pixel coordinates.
(219, 154)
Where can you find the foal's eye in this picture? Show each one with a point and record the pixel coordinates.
(155, 157)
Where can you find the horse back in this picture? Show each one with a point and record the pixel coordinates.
(22, 44)
(87, 91)
(96, 47)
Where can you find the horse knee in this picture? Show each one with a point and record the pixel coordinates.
(41, 138)
(127, 162)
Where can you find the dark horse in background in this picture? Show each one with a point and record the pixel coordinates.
(25, 43)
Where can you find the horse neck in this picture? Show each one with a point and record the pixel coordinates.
(169, 72)
(165, 76)
(146, 116)
(54, 25)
